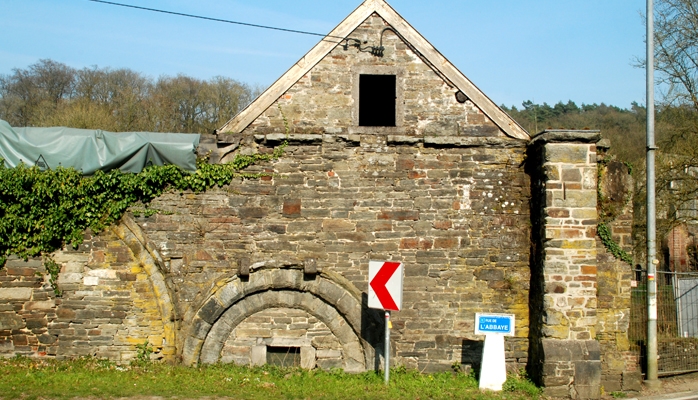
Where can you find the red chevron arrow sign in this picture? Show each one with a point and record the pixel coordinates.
(385, 285)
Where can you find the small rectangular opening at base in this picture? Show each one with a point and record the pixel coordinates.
(284, 356)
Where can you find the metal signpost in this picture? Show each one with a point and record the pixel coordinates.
(493, 373)
(385, 293)
(652, 369)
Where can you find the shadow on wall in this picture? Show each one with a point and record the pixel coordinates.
(533, 168)
(372, 328)
(471, 356)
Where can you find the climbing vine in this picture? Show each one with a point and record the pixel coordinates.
(604, 233)
(606, 215)
(42, 211)
(53, 268)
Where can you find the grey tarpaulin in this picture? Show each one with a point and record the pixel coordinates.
(91, 150)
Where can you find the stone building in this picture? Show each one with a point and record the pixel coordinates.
(393, 154)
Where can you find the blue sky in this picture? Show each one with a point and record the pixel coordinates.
(513, 50)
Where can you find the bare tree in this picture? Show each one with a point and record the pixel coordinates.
(676, 64)
(676, 46)
(226, 97)
(30, 94)
(180, 103)
(49, 93)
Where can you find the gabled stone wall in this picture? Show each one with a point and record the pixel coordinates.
(483, 223)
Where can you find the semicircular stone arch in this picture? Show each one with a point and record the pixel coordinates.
(234, 301)
(135, 239)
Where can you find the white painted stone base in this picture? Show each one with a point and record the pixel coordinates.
(494, 372)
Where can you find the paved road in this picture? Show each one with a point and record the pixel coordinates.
(671, 396)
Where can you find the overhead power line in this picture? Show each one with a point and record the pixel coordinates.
(218, 20)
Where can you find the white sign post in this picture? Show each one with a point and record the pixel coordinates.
(493, 372)
(385, 293)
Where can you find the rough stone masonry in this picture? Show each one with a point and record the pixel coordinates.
(482, 221)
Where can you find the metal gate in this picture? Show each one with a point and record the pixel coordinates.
(677, 320)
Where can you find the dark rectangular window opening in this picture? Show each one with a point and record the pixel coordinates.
(284, 356)
(377, 96)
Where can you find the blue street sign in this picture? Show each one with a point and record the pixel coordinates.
(494, 323)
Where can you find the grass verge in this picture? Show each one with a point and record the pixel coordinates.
(24, 378)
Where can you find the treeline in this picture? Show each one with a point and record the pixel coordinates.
(625, 128)
(50, 93)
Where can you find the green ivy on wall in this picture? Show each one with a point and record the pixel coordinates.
(606, 215)
(42, 211)
(614, 248)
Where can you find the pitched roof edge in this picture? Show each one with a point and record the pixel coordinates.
(494, 112)
(298, 70)
(350, 23)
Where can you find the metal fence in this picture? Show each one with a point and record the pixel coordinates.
(677, 320)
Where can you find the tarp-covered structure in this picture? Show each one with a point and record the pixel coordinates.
(91, 150)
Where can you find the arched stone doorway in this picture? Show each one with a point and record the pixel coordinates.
(332, 306)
